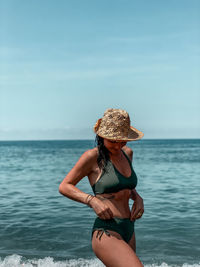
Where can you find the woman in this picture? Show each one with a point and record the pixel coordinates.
(113, 180)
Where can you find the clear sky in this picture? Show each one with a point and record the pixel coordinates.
(62, 63)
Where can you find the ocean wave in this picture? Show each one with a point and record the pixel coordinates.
(19, 261)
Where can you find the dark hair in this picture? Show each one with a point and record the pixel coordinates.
(103, 153)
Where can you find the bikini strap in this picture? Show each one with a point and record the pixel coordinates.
(127, 158)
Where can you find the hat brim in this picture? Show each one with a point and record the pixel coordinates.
(133, 135)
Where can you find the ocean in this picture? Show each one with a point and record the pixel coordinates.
(40, 227)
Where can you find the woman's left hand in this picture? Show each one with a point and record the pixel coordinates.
(137, 208)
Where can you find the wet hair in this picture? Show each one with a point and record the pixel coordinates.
(103, 153)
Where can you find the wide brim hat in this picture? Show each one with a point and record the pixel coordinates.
(115, 125)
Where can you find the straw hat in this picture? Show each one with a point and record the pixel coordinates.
(115, 125)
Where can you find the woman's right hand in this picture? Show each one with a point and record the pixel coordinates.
(101, 209)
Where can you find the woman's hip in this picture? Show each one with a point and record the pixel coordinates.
(123, 226)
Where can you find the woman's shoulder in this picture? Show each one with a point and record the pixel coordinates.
(91, 154)
(87, 161)
(128, 151)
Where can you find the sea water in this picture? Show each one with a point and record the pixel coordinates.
(40, 227)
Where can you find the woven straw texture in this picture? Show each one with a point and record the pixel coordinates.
(115, 125)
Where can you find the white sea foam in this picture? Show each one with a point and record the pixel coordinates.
(19, 261)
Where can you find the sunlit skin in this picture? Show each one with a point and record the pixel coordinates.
(107, 206)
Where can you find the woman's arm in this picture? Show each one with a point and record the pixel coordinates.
(138, 205)
(83, 168)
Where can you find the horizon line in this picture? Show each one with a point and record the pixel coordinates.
(145, 139)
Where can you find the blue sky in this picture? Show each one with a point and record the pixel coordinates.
(62, 63)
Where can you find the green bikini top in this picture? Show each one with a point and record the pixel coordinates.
(112, 181)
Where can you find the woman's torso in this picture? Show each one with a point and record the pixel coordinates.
(118, 177)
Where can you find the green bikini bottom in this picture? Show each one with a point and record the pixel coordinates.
(123, 226)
